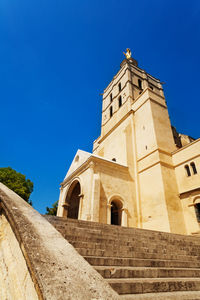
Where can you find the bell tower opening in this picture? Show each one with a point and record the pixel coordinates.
(116, 212)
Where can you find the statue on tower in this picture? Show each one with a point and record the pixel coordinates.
(128, 53)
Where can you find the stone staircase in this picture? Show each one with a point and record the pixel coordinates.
(137, 263)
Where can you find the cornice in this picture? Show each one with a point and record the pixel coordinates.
(116, 125)
(186, 146)
(186, 161)
(162, 163)
(188, 192)
(129, 67)
(156, 150)
(90, 163)
(124, 68)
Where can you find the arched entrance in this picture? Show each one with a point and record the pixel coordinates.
(116, 212)
(72, 200)
(197, 208)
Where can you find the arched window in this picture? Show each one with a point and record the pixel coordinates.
(111, 98)
(197, 211)
(187, 170)
(194, 170)
(140, 83)
(120, 101)
(120, 87)
(111, 111)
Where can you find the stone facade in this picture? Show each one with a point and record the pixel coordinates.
(142, 173)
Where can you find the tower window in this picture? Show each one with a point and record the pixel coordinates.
(194, 170)
(111, 98)
(120, 87)
(187, 170)
(111, 111)
(140, 83)
(120, 101)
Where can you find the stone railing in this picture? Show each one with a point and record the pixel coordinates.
(36, 262)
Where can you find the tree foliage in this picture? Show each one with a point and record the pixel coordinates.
(17, 182)
(53, 210)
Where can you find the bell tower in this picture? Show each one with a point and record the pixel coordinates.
(126, 87)
(136, 132)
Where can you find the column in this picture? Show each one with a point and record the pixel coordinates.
(109, 213)
(95, 198)
(65, 209)
(124, 220)
(80, 206)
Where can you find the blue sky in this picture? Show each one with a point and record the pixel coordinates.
(57, 56)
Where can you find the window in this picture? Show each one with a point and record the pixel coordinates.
(151, 87)
(187, 170)
(111, 111)
(120, 87)
(113, 159)
(194, 170)
(140, 83)
(197, 211)
(120, 101)
(111, 98)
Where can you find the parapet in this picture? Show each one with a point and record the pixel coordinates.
(55, 268)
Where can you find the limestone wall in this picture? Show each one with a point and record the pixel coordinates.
(36, 262)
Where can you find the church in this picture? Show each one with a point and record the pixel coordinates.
(142, 173)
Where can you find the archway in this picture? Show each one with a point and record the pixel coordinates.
(73, 199)
(197, 208)
(116, 212)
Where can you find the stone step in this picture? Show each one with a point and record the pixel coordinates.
(129, 248)
(89, 224)
(163, 296)
(145, 272)
(131, 254)
(137, 262)
(149, 285)
(116, 243)
(97, 235)
(119, 229)
(125, 231)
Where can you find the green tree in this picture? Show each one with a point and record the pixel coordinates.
(17, 182)
(53, 210)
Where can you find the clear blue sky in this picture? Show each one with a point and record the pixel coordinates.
(56, 57)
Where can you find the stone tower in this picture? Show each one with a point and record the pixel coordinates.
(130, 178)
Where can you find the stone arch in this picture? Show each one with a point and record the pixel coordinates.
(72, 199)
(196, 202)
(117, 212)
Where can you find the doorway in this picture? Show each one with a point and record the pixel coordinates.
(73, 200)
(116, 212)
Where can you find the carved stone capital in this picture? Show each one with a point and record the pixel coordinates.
(65, 205)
